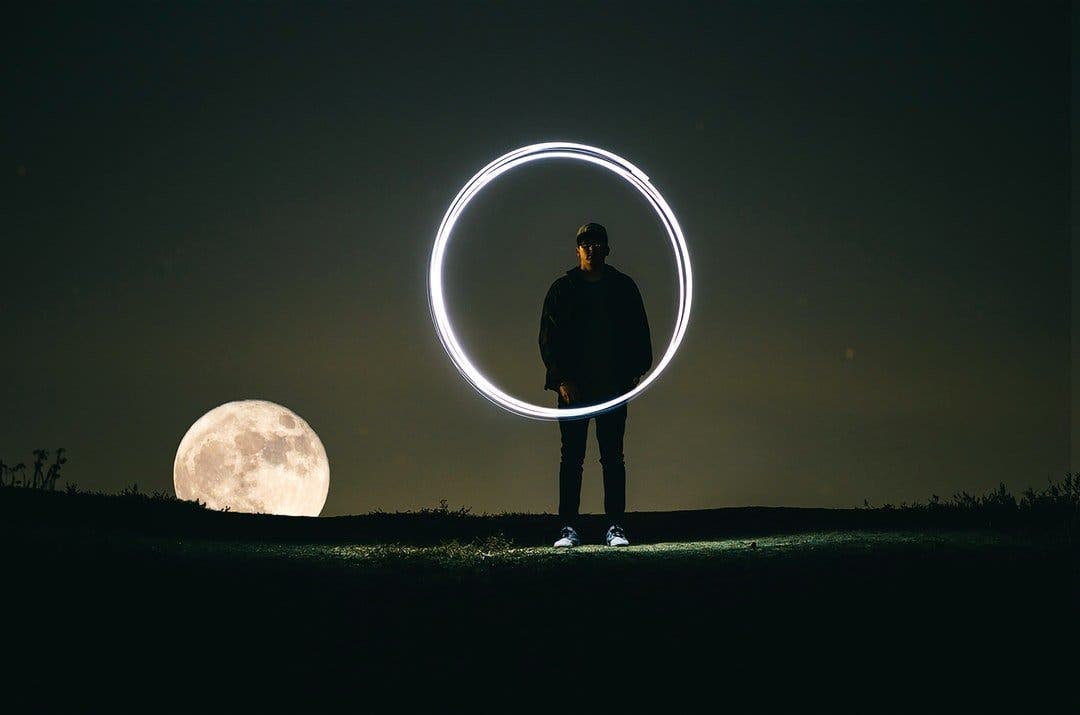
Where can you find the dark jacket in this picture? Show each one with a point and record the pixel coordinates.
(562, 329)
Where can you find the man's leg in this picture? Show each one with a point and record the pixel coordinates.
(610, 428)
(573, 433)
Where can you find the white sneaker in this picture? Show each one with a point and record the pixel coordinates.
(616, 536)
(567, 538)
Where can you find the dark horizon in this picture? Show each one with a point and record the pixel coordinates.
(209, 204)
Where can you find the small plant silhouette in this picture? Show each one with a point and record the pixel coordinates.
(444, 510)
(42, 478)
(54, 470)
(40, 455)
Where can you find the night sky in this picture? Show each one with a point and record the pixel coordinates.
(207, 202)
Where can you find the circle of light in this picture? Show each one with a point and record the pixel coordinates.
(437, 302)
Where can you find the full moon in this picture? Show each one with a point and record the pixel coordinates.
(253, 456)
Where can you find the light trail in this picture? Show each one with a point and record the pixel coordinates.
(519, 157)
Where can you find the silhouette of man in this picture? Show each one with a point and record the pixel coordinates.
(594, 340)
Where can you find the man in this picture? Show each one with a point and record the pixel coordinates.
(594, 340)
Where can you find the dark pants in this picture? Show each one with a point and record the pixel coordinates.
(610, 428)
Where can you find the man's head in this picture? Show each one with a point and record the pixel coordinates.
(592, 245)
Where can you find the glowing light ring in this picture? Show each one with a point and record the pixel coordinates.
(535, 152)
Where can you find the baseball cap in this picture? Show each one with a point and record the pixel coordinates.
(592, 233)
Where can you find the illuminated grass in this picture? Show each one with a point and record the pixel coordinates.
(501, 556)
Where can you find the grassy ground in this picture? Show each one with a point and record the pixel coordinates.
(965, 609)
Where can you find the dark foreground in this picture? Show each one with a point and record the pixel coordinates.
(926, 617)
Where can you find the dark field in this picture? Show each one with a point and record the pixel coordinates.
(972, 608)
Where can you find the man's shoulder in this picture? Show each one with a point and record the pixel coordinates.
(565, 280)
(620, 277)
(560, 286)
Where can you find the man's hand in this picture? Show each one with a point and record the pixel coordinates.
(568, 391)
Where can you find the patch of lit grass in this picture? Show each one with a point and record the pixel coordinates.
(507, 556)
